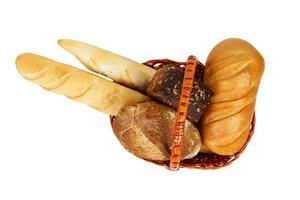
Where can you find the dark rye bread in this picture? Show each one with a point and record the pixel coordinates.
(166, 87)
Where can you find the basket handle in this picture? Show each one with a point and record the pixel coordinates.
(183, 105)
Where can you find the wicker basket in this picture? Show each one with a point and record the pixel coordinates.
(201, 160)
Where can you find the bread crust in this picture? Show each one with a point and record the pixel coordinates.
(167, 84)
(120, 69)
(99, 93)
(233, 72)
(146, 130)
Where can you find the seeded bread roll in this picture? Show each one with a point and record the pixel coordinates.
(146, 130)
(166, 87)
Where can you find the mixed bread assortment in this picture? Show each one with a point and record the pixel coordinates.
(143, 101)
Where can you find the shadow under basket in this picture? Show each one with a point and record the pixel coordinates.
(201, 160)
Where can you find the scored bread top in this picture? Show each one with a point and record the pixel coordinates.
(233, 72)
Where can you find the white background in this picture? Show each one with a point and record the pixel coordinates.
(54, 148)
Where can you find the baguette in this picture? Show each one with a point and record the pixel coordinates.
(233, 72)
(120, 69)
(99, 93)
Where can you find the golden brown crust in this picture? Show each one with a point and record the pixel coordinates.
(99, 93)
(233, 72)
(146, 130)
(120, 69)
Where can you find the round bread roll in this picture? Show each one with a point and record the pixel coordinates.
(146, 130)
(233, 72)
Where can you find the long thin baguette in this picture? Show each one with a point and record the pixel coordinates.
(99, 93)
(118, 68)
